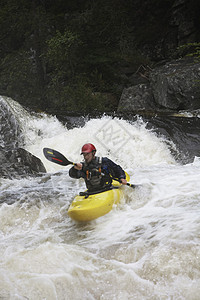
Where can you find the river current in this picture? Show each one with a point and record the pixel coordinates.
(147, 247)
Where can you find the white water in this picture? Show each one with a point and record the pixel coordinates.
(146, 248)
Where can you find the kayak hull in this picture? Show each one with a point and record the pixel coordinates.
(84, 209)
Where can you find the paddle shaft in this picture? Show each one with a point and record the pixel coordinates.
(58, 158)
(129, 184)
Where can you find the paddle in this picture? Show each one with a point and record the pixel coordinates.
(129, 184)
(58, 158)
(132, 185)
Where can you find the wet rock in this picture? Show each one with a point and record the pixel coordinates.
(14, 160)
(138, 97)
(174, 86)
(10, 131)
(20, 163)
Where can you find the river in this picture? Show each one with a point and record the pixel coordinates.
(147, 247)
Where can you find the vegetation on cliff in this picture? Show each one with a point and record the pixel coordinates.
(70, 55)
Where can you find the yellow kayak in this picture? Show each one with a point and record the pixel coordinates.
(88, 208)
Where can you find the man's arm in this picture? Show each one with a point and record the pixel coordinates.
(115, 170)
(76, 171)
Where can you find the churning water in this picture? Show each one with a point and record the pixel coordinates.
(148, 247)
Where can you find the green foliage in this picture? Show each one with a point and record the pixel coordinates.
(19, 75)
(190, 49)
(67, 54)
(61, 58)
(78, 97)
(61, 49)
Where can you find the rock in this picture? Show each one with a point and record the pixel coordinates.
(136, 98)
(178, 24)
(183, 17)
(176, 85)
(14, 160)
(20, 163)
(10, 130)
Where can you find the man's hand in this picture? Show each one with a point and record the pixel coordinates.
(78, 166)
(123, 181)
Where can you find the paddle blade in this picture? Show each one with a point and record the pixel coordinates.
(56, 157)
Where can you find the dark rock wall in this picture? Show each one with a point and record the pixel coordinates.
(170, 23)
(14, 161)
(174, 86)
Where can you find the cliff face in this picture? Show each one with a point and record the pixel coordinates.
(173, 84)
(167, 25)
(172, 87)
(15, 162)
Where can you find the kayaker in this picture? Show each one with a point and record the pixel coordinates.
(97, 172)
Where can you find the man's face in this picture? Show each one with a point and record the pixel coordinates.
(88, 157)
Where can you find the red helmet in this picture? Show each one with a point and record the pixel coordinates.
(87, 148)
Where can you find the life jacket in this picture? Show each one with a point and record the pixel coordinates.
(95, 179)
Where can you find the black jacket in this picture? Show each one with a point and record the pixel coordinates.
(108, 168)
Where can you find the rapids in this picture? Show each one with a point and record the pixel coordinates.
(148, 247)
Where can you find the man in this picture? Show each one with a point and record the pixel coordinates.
(97, 172)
